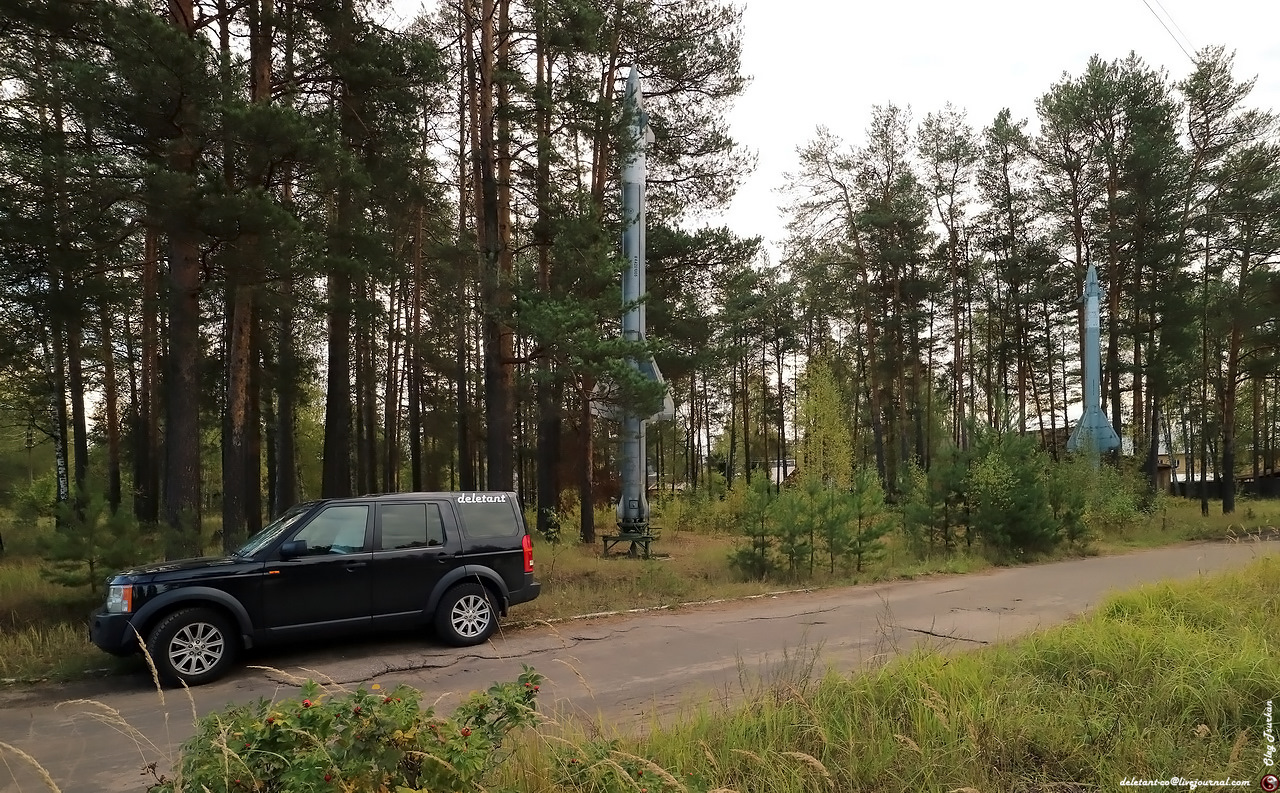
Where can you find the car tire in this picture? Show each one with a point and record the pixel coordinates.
(193, 646)
(466, 615)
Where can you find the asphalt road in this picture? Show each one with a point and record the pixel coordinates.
(624, 669)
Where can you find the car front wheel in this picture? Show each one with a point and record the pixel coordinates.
(466, 615)
(193, 646)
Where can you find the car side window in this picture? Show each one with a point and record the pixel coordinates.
(338, 529)
(410, 526)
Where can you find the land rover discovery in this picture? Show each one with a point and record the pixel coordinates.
(329, 568)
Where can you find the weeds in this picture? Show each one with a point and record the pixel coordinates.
(1166, 680)
(43, 626)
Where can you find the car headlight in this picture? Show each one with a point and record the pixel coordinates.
(120, 599)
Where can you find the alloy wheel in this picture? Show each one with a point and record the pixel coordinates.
(196, 648)
(471, 615)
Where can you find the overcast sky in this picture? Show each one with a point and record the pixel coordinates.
(828, 61)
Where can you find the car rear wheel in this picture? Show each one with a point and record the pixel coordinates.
(466, 615)
(193, 646)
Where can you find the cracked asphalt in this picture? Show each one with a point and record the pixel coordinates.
(627, 669)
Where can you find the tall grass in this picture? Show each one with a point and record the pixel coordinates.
(43, 626)
(43, 633)
(1169, 680)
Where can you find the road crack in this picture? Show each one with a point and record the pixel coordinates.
(789, 616)
(941, 635)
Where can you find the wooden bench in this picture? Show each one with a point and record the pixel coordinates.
(639, 542)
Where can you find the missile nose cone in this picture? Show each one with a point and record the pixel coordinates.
(633, 84)
(1091, 280)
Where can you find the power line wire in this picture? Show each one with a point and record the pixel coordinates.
(1167, 30)
(1176, 26)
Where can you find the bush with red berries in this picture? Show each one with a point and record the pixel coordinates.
(365, 740)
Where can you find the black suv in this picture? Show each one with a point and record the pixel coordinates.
(338, 566)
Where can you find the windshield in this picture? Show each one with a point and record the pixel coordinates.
(273, 530)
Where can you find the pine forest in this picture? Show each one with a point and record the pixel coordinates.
(255, 252)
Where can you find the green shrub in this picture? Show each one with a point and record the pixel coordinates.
(363, 740)
(1007, 488)
(864, 506)
(754, 559)
(90, 543)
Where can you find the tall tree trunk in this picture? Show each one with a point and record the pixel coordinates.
(413, 350)
(550, 389)
(261, 22)
(336, 479)
(1053, 397)
(370, 401)
(392, 391)
(235, 474)
(586, 498)
(56, 382)
(76, 388)
(746, 422)
(782, 419)
(1114, 281)
(491, 160)
(1256, 384)
(111, 407)
(468, 127)
(182, 381)
(286, 482)
(253, 428)
(285, 485)
(146, 449)
(957, 338)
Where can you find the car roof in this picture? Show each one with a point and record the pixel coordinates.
(422, 494)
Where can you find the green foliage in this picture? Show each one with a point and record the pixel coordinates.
(933, 502)
(866, 508)
(1170, 676)
(830, 516)
(1113, 498)
(1068, 498)
(361, 740)
(826, 442)
(754, 560)
(786, 531)
(551, 525)
(89, 542)
(1009, 493)
(793, 521)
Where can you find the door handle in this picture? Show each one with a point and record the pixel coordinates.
(352, 566)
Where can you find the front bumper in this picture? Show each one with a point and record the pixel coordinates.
(113, 633)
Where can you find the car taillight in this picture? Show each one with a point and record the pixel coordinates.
(528, 554)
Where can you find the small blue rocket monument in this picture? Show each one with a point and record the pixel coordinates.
(1093, 434)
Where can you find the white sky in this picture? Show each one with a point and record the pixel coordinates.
(828, 61)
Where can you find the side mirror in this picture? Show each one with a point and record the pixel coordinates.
(293, 548)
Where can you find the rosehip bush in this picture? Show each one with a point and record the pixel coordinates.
(366, 740)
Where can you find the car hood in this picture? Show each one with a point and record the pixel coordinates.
(179, 566)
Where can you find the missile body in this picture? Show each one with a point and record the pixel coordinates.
(633, 506)
(1094, 433)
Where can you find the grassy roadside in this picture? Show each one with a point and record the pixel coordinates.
(43, 626)
(1168, 680)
